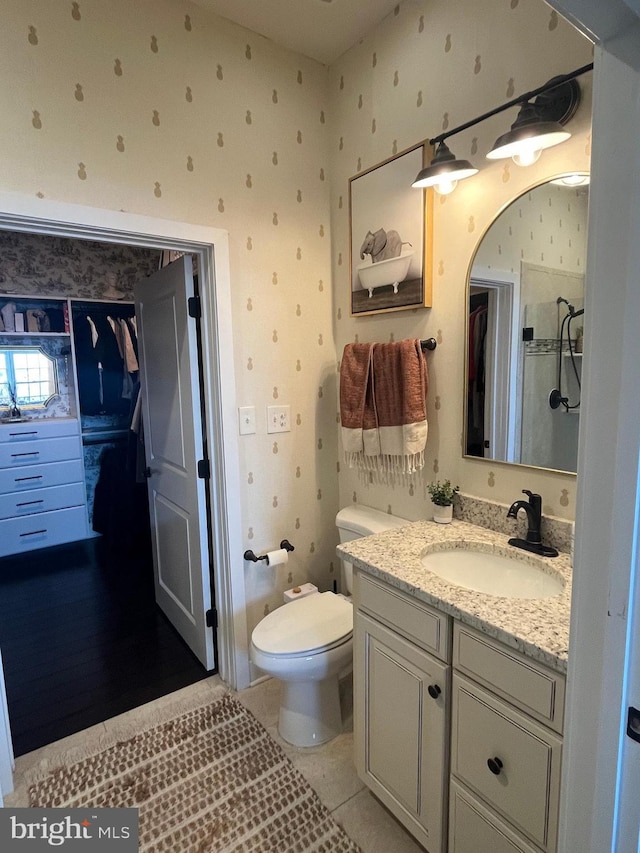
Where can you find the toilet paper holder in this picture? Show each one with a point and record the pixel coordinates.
(249, 555)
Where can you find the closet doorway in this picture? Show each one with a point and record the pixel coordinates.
(218, 400)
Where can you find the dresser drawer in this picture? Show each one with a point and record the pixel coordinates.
(42, 500)
(475, 829)
(42, 530)
(418, 622)
(38, 428)
(525, 783)
(42, 450)
(40, 476)
(530, 686)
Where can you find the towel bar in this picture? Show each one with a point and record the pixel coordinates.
(429, 344)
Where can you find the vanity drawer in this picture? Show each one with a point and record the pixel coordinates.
(473, 828)
(418, 622)
(42, 500)
(42, 530)
(40, 450)
(37, 429)
(30, 477)
(530, 686)
(525, 783)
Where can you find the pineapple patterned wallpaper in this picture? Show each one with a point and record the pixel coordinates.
(546, 227)
(160, 108)
(427, 68)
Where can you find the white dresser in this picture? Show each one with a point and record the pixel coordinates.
(42, 489)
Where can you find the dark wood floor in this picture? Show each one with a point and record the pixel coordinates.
(83, 640)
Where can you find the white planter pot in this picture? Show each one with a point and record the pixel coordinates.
(442, 514)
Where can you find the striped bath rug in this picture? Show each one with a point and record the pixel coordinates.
(212, 779)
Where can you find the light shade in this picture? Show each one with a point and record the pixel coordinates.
(444, 171)
(530, 133)
(575, 180)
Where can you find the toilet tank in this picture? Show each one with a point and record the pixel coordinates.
(356, 521)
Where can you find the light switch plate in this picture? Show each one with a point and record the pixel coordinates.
(247, 420)
(278, 418)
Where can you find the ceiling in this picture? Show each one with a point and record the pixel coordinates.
(320, 29)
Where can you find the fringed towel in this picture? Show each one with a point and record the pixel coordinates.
(383, 390)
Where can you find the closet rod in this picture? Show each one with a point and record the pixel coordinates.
(105, 436)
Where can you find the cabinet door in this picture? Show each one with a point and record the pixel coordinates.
(473, 828)
(400, 728)
(509, 760)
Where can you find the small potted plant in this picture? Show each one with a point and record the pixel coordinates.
(442, 495)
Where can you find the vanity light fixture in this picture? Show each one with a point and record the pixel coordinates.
(444, 171)
(576, 180)
(539, 125)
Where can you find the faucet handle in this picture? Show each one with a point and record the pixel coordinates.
(534, 499)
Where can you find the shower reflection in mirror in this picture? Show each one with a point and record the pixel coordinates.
(524, 346)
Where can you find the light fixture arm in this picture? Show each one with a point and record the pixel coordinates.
(521, 99)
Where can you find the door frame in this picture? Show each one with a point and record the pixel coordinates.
(33, 215)
(504, 375)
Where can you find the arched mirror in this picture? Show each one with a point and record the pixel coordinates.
(28, 378)
(525, 299)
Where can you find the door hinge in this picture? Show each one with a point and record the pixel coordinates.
(212, 619)
(204, 469)
(633, 723)
(194, 306)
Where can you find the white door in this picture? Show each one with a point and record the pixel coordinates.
(173, 446)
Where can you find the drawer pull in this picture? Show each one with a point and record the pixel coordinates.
(495, 765)
(434, 690)
(34, 532)
(31, 453)
(29, 503)
(24, 479)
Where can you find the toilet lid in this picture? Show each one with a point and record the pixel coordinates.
(318, 620)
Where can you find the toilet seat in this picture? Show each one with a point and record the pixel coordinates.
(316, 623)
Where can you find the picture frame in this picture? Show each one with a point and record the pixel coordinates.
(390, 236)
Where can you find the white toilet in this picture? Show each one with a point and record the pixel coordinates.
(309, 642)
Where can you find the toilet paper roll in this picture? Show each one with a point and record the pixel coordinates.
(277, 558)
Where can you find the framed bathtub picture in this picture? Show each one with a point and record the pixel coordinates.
(391, 228)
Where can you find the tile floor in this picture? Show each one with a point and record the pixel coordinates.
(329, 769)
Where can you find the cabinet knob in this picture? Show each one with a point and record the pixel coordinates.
(495, 765)
(434, 691)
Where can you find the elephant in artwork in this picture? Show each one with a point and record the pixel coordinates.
(382, 245)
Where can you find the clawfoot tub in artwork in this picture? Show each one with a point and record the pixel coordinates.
(389, 263)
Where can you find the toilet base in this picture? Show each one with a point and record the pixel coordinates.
(310, 711)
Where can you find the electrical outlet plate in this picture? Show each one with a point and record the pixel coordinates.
(247, 420)
(278, 418)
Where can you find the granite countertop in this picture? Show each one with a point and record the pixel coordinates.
(537, 627)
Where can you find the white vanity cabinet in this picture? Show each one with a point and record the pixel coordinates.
(402, 649)
(42, 490)
(506, 748)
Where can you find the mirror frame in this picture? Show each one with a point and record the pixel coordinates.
(467, 292)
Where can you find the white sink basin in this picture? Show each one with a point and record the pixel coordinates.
(493, 574)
